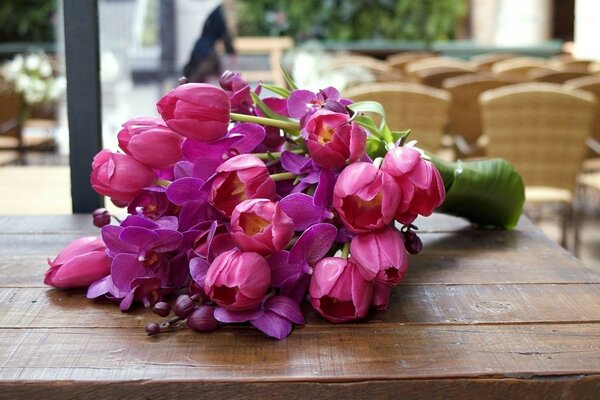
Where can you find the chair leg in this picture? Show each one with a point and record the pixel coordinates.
(566, 215)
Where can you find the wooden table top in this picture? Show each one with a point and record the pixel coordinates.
(481, 314)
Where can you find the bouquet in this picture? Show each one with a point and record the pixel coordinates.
(242, 206)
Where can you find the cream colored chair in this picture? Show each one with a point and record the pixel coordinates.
(552, 76)
(590, 84)
(381, 70)
(465, 119)
(413, 68)
(400, 60)
(420, 108)
(435, 76)
(541, 128)
(517, 68)
(484, 62)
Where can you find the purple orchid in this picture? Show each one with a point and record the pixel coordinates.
(191, 194)
(303, 103)
(151, 202)
(274, 317)
(290, 271)
(307, 210)
(238, 90)
(241, 139)
(138, 250)
(301, 166)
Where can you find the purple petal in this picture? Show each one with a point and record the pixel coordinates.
(286, 308)
(141, 238)
(139, 220)
(295, 286)
(329, 93)
(194, 212)
(295, 163)
(273, 325)
(226, 316)
(98, 288)
(179, 270)
(194, 150)
(324, 192)
(124, 269)
(300, 103)
(280, 268)
(110, 236)
(183, 169)
(204, 168)
(127, 301)
(301, 209)
(252, 136)
(167, 240)
(335, 106)
(313, 244)
(186, 189)
(198, 270)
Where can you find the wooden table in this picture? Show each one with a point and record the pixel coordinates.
(481, 314)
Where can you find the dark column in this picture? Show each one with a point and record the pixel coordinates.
(83, 98)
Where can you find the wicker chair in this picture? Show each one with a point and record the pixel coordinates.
(570, 64)
(435, 76)
(517, 68)
(552, 76)
(465, 119)
(413, 68)
(541, 128)
(590, 84)
(484, 62)
(380, 69)
(400, 60)
(420, 108)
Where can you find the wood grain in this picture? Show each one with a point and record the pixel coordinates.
(481, 314)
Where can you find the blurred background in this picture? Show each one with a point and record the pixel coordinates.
(432, 59)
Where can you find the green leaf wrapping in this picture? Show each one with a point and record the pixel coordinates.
(486, 192)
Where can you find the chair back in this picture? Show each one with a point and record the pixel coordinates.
(435, 76)
(540, 128)
(381, 70)
(465, 119)
(589, 84)
(11, 106)
(412, 68)
(484, 62)
(400, 60)
(518, 67)
(550, 76)
(420, 108)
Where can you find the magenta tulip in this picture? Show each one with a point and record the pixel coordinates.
(237, 280)
(365, 197)
(332, 139)
(338, 291)
(119, 176)
(261, 226)
(197, 111)
(151, 142)
(79, 264)
(381, 255)
(381, 296)
(240, 178)
(421, 186)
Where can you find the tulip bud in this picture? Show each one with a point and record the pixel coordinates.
(161, 309)
(412, 242)
(184, 305)
(79, 264)
(381, 296)
(237, 281)
(197, 111)
(101, 217)
(203, 319)
(226, 80)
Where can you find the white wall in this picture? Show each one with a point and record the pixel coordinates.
(587, 29)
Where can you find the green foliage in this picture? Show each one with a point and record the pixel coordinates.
(27, 20)
(425, 20)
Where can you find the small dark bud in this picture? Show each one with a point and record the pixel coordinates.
(412, 242)
(152, 328)
(202, 319)
(226, 80)
(101, 217)
(161, 309)
(184, 305)
(183, 80)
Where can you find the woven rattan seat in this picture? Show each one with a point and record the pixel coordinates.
(420, 108)
(541, 128)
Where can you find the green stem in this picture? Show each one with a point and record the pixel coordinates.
(266, 121)
(162, 182)
(346, 249)
(271, 156)
(283, 176)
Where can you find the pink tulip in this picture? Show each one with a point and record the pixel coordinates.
(238, 281)
(381, 296)
(79, 264)
(365, 197)
(420, 183)
(261, 226)
(240, 178)
(338, 291)
(381, 255)
(119, 176)
(151, 142)
(197, 111)
(332, 139)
